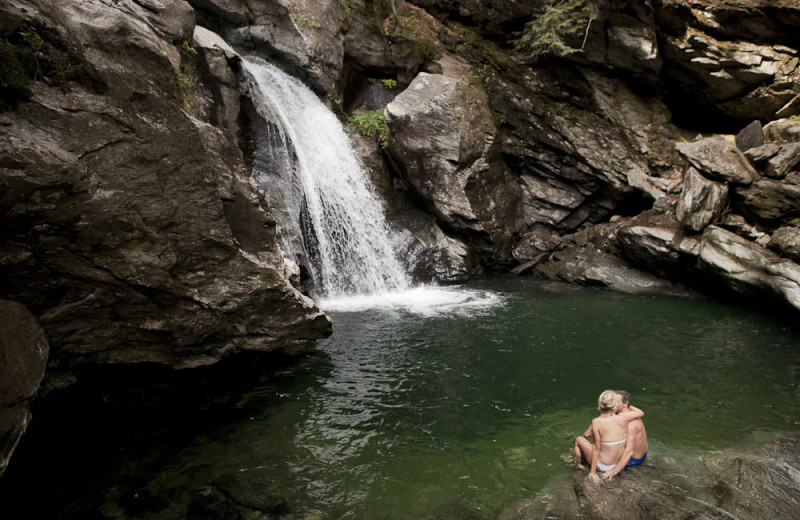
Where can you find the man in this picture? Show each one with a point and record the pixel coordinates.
(636, 445)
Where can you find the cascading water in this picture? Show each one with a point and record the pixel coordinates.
(326, 210)
(350, 247)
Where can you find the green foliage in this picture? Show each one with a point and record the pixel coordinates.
(305, 21)
(549, 33)
(188, 49)
(387, 82)
(187, 81)
(371, 124)
(794, 118)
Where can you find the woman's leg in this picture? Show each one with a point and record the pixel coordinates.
(583, 450)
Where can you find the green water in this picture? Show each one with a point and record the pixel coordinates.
(459, 415)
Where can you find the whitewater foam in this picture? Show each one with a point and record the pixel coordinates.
(422, 300)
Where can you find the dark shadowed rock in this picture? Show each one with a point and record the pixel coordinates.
(721, 73)
(761, 154)
(701, 200)
(759, 484)
(23, 357)
(751, 136)
(769, 202)
(719, 160)
(131, 228)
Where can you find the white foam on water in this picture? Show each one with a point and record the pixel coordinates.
(422, 300)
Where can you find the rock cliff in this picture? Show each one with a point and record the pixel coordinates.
(131, 230)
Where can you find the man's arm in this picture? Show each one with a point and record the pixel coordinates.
(624, 457)
(632, 413)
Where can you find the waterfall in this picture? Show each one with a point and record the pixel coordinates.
(330, 204)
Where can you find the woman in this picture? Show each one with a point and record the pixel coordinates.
(609, 432)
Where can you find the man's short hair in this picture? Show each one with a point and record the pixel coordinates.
(625, 396)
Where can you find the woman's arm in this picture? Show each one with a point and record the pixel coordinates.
(595, 454)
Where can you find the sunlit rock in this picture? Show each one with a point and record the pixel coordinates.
(701, 200)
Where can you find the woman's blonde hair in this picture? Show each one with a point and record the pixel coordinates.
(607, 402)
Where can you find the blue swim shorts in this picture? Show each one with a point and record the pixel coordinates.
(636, 462)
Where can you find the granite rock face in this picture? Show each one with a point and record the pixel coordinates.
(23, 357)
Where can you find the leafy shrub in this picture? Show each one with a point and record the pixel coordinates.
(549, 33)
(371, 124)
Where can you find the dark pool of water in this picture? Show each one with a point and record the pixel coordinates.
(451, 415)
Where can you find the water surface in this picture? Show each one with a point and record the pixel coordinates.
(458, 412)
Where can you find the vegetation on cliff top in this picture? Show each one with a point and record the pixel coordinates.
(553, 32)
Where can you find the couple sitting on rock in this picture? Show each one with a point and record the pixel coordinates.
(615, 439)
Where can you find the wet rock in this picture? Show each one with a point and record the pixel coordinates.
(590, 257)
(718, 159)
(701, 200)
(211, 504)
(760, 483)
(301, 36)
(442, 136)
(23, 357)
(751, 136)
(786, 242)
(623, 36)
(428, 253)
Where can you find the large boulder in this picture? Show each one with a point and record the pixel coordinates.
(23, 357)
(131, 228)
(718, 159)
(760, 483)
(748, 268)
